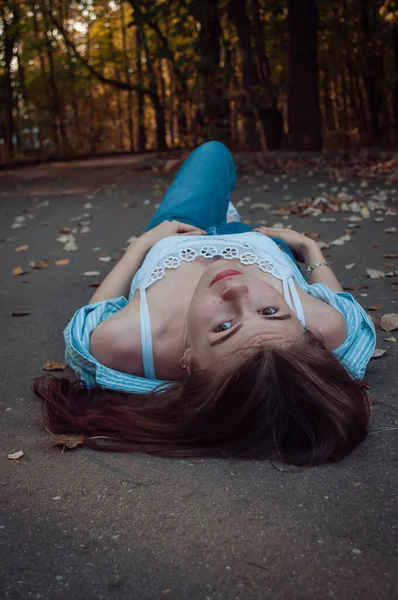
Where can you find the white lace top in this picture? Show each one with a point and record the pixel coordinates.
(250, 248)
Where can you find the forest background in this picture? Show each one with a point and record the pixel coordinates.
(112, 76)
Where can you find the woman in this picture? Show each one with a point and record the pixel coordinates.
(207, 340)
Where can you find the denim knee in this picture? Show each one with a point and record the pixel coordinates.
(215, 149)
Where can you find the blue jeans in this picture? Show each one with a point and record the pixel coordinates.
(200, 193)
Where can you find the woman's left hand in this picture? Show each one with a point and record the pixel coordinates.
(299, 243)
(166, 229)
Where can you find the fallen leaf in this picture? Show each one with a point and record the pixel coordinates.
(69, 241)
(21, 248)
(91, 273)
(62, 261)
(131, 239)
(388, 265)
(85, 229)
(259, 206)
(375, 307)
(378, 353)
(21, 313)
(390, 230)
(389, 255)
(313, 236)
(323, 245)
(42, 264)
(64, 230)
(391, 339)
(354, 287)
(53, 365)
(375, 245)
(394, 287)
(95, 284)
(375, 274)
(70, 441)
(350, 266)
(18, 271)
(371, 400)
(389, 322)
(341, 241)
(171, 164)
(16, 455)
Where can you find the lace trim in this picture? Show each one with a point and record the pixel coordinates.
(243, 252)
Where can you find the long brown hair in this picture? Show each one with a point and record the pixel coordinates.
(296, 404)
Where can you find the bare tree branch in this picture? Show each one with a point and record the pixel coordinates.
(121, 85)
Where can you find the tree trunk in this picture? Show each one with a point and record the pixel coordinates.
(395, 88)
(127, 76)
(62, 142)
(327, 103)
(214, 115)
(9, 40)
(153, 88)
(140, 99)
(238, 15)
(373, 67)
(303, 76)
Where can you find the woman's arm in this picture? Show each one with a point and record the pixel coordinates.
(324, 274)
(118, 281)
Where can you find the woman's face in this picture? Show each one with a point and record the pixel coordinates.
(232, 311)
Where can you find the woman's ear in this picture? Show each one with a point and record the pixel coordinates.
(188, 360)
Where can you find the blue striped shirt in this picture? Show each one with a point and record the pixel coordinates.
(354, 352)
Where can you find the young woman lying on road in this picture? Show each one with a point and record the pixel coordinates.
(207, 340)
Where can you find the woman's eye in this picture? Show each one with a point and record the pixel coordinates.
(223, 327)
(268, 311)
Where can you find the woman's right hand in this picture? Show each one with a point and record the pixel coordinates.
(166, 229)
(299, 243)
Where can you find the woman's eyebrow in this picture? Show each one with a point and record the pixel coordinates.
(228, 335)
(233, 331)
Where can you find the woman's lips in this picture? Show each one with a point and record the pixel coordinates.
(223, 274)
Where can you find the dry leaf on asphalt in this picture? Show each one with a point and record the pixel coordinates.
(390, 255)
(92, 273)
(69, 241)
(389, 322)
(341, 240)
(70, 441)
(20, 313)
(62, 261)
(350, 266)
(95, 284)
(371, 400)
(16, 455)
(312, 236)
(53, 365)
(64, 230)
(375, 307)
(390, 339)
(378, 353)
(41, 264)
(18, 271)
(21, 248)
(375, 274)
(354, 287)
(394, 287)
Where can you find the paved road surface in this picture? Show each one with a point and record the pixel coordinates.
(88, 526)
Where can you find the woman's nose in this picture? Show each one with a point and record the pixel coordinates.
(234, 291)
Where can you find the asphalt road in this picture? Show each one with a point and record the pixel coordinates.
(82, 525)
